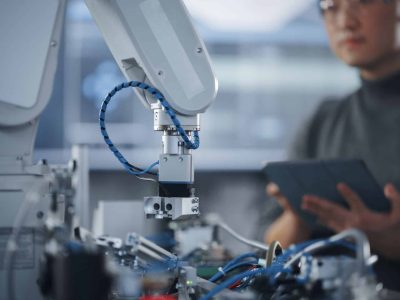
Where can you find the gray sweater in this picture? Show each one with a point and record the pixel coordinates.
(363, 125)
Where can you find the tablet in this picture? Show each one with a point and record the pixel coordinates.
(320, 178)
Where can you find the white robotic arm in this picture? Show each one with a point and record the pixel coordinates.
(154, 41)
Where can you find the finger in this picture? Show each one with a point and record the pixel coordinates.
(336, 222)
(272, 189)
(325, 208)
(318, 203)
(394, 197)
(335, 225)
(335, 218)
(351, 197)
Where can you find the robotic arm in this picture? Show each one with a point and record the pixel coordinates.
(154, 42)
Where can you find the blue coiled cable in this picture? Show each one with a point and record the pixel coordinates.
(159, 96)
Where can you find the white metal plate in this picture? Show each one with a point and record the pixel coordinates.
(26, 27)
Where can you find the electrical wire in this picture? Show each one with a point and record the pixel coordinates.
(234, 264)
(147, 179)
(227, 283)
(157, 94)
(215, 220)
(284, 262)
(363, 252)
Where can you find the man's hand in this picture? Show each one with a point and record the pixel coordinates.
(288, 228)
(273, 191)
(382, 228)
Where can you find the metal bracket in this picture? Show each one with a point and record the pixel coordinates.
(171, 208)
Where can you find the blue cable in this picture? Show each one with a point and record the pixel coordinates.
(232, 280)
(272, 271)
(240, 257)
(231, 263)
(157, 94)
(278, 266)
(220, 274)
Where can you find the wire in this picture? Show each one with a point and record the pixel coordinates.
(146, 179)
(283, 262)
(231, 281)
(362, 249)
(239, 258)
(215, 220)
(234, 264)
(157, 94)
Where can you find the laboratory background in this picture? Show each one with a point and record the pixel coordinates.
(273, 67)
(270, 60)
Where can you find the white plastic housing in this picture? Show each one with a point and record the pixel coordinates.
(155, 40)
(30, 36)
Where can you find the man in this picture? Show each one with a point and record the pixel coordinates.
(364, 125)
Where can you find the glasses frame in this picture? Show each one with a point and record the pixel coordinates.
(326, 5)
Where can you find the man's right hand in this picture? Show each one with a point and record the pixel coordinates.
(289, 228)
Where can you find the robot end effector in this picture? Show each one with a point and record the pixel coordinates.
(154, 41)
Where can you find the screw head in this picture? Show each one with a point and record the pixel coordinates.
(39, 215)
(180, 158)
(165, 159)
(199, 50)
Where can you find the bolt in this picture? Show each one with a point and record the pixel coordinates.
(160, 73)
(156, 206)
(39, 215)
(168, 206)
(180, 158)
(199, 50)
(195, 200)
(165, 159)
(195, 209)
(53, 43)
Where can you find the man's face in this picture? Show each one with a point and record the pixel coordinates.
(362, 32)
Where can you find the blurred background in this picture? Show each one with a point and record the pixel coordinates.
(274, 67)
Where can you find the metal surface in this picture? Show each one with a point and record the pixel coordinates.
(175, 168)
(166, 49)
(28, 29)
(80, 154)
(24, 198)
(172, 208)
(163, 122)
(146, 250)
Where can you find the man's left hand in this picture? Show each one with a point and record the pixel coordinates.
(381, 228)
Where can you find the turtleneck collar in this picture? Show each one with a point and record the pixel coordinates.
(382, 92)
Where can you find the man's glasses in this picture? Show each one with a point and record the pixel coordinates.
(332, 7)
